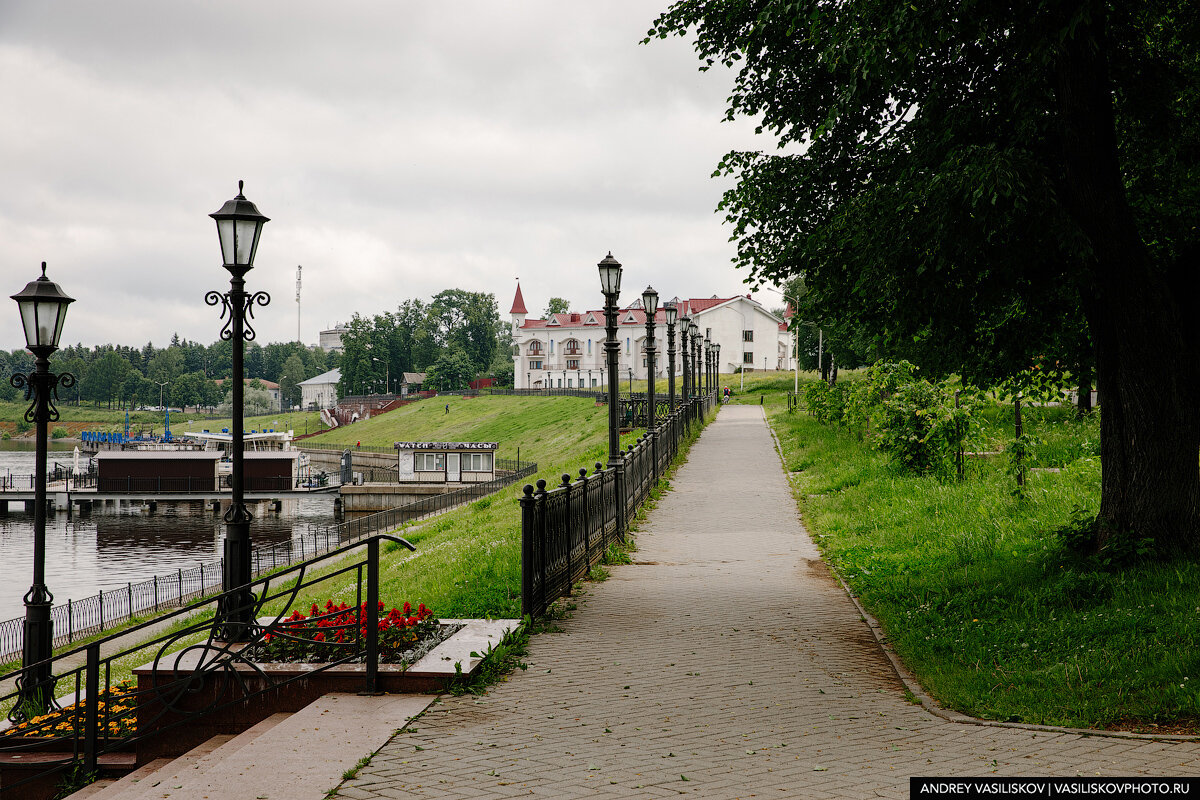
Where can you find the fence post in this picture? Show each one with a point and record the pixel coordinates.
(570, 531)
(528, 532)
(101, 609)
(91, 702)
(155, 594)
(585, 520)
(372, 622)
(70, 621)
(129, 589)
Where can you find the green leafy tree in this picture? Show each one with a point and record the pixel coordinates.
(467, 322)
(293, 373)
(557, 305)
(106, 378)
(979, 177)
(451, 372)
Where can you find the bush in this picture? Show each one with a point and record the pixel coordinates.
(59, 433)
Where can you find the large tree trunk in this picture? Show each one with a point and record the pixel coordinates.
(1145, 358)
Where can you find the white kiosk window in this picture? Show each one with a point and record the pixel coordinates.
(429, 462)
(477, 462)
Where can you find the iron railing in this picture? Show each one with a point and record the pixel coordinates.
(395, 517)
(567, 529)
(190, 672)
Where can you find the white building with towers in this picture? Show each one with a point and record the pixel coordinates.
(566, 351)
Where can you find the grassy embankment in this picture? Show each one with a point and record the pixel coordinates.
(975, 590)
(467, 562)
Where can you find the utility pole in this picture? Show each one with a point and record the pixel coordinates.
(298, 338)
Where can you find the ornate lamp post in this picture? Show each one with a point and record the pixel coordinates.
(239, 225)
(693, 335)
(650, 305)
(717, 366)
(43, 309)
(685, 356)
(672, 313)
(707, 365)
(610, 285)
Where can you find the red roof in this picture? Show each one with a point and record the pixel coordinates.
(519, 303)
(686, 308)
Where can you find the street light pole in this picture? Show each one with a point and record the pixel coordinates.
(610, 285)
(650, 306)
(671, 313)
(43, 309)
(239, 225)
(685, 356)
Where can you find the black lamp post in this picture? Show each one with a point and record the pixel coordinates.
(239, 225)
(707, 365)
(685, 356)
(43, 309)
(717, 366)
(610, 285)
(695, 360)
(671, 313)
(650, 305)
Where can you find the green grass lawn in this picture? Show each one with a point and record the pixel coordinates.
(976, 592)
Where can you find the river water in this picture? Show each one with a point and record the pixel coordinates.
(107, 550)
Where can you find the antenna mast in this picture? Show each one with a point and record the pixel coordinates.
(298, 337)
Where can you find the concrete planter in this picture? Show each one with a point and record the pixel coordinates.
(251, 693)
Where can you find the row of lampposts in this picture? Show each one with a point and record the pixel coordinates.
(43, 307)
(693, 387)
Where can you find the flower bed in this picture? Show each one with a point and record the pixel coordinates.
(116, 707)
(334, 632)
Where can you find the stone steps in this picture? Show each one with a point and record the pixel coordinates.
(283, 757)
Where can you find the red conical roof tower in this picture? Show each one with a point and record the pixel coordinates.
(518, 303)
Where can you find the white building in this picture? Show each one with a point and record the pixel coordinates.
(321, 391)
(331, 340)
(567, 350)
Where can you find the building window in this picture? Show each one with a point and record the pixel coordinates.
(570, 383)
(589, 347)
(747, 336)
(477, 462)
(748, 358)
(572, 363)
(535, 348)
(572, 347)
(559, 383)
(551, 347)
(708, 333)
(535, 364)
(429, 462)
(593, 381)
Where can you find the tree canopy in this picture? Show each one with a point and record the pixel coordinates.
(975, 181)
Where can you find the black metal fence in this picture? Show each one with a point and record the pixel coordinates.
(80, 727)
(567, 528)
(76, 619)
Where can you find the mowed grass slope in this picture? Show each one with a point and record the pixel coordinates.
(468, 561)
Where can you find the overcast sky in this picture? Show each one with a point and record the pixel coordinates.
(399, 148)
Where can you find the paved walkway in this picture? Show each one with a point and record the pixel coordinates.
(725, 663)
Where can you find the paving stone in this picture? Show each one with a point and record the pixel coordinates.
(749, 671)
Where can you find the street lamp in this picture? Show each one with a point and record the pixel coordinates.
(610, 285)
(671, 313)
(650, 305)
(717, 365)
(685, 323)
(387, 372)
(43, 309)
(239, 225)
(696, 387)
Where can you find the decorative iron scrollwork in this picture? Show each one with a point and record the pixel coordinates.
(262, 298)
(217, 298)
(46, 384)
